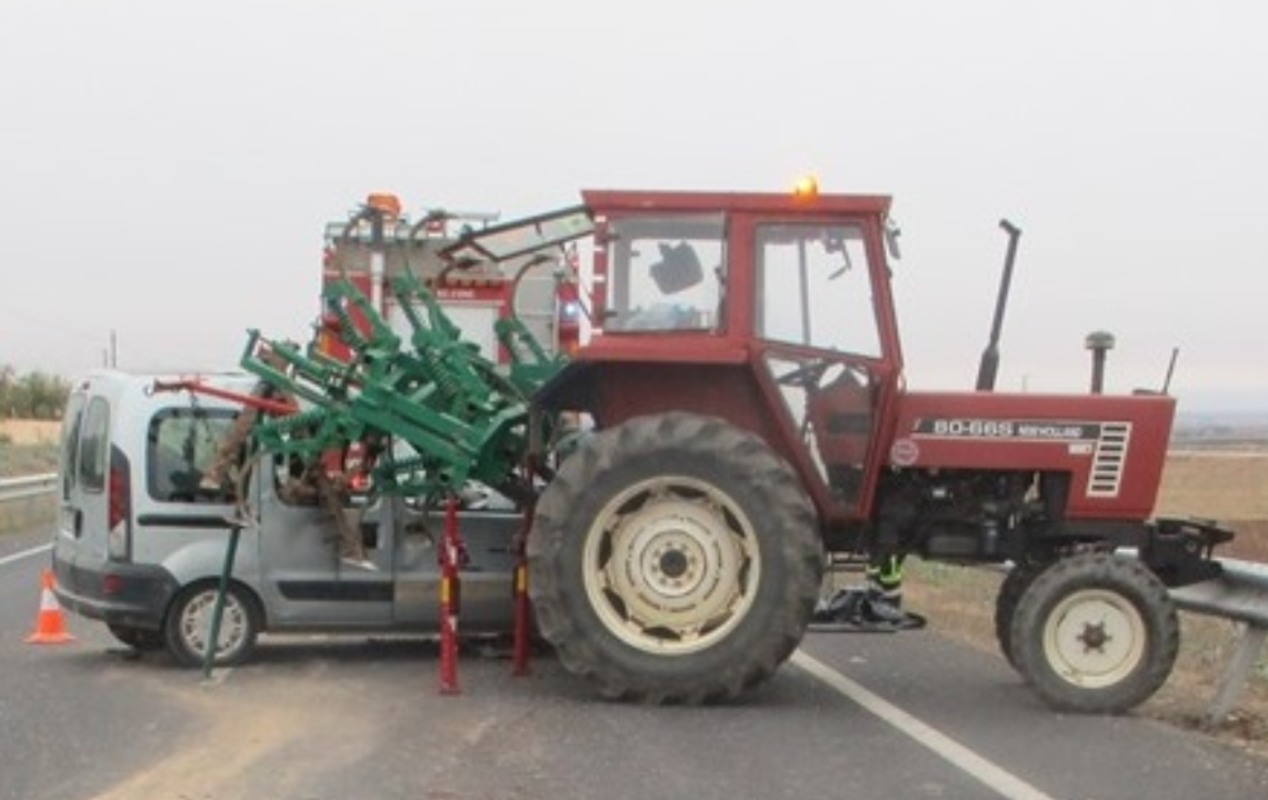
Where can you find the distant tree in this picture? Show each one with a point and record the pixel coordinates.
(33, 395)
(7, 376)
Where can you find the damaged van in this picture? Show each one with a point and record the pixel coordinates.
(140, 545)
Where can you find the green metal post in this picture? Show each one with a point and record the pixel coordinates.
(218, 610)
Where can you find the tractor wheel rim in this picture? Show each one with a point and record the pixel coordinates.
(195, 623)
(671, 565)
(1095, 638)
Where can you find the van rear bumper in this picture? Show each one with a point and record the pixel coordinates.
(128, 595)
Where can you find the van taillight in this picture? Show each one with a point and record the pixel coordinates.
(119, 507)
(118, 512)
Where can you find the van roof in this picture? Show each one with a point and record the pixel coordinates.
(164, 374)
(128, 379)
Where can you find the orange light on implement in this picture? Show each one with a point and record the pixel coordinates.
(807, 186)
(385, 203)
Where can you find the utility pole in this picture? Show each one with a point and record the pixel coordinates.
(114, 350)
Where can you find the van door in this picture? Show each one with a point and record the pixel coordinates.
(180, 524)
(93, 525)
(70, 518)
(305, 583)
(486, 587)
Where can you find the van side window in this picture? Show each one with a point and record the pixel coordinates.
(70, 442)
(181, 444)
(94, 446)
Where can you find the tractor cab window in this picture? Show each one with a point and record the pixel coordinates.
(665, 273)
(814, 288)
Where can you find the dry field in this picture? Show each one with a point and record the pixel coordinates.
(27, 447)
(1230, 487)
(29, 431)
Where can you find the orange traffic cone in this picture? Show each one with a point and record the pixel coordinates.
(50, 628)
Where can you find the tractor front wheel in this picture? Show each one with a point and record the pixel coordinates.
(1015, 583)
(674, 559)
(1095, 633)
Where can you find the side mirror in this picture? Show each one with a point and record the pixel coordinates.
(678, 269)
(892, 233)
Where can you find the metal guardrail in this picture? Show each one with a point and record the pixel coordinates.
(28, 486)
(1241, 595)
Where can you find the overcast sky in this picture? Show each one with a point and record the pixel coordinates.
(166, 168)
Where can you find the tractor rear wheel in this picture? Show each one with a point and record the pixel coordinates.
(1095, 633)
(674, 559)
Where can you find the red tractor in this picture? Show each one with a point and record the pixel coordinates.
(745, 378)
(745, 427)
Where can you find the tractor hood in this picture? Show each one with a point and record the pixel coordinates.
(1113, 447)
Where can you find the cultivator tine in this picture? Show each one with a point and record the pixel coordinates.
(435, 391)
(342, 293)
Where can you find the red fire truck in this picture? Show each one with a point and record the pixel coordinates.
(379, 241)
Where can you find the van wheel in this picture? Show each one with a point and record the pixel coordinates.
(137, 638)
(188, 625)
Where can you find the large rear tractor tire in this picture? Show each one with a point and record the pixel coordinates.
(1095, 634)
(674, 559)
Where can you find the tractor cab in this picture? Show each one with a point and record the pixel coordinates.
(771, 311)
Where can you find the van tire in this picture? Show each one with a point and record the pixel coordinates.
(188, 624)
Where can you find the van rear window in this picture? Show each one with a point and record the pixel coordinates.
(182, 444)
(94, 445)
(70, 442)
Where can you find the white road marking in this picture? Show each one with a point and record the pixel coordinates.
(25, 554)
(998, 779)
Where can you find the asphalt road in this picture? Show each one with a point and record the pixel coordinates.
(318, 718)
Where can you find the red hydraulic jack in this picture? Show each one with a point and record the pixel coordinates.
(450, 551)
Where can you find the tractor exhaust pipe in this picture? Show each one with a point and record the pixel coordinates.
(990, 356)
(1099, 343)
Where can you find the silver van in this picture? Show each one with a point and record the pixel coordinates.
(140, 547)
